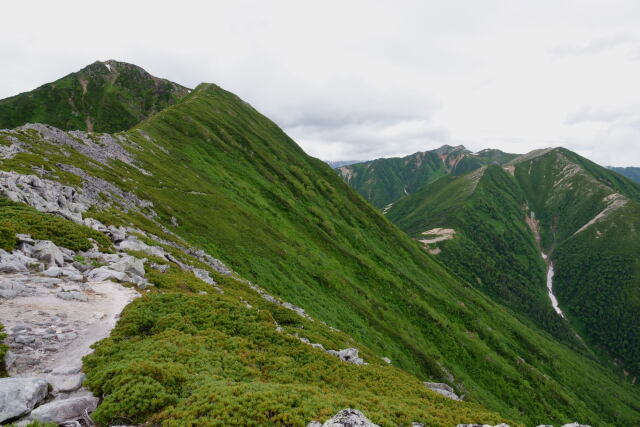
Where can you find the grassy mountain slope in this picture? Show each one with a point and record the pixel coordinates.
(106, 96)
(383, 181)
(185, 355)
(632, 173)
(237, 186)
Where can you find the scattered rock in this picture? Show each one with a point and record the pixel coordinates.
(443, 389)
(349, 355)
(101, 274)
(162, 268)
(18, 396)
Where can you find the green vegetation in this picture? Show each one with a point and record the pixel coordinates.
(384, 181)
(247, 194)
(493, 247)
(103, 97)
(22, 219)
(3, 351)
(596, 270)
(189, 359)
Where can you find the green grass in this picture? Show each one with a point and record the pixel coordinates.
(3, 352)
(247, 194)
(179, 358)
(21, 219)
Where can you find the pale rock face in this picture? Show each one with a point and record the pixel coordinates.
(18, 396)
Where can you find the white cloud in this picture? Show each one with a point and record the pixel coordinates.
(363, 79)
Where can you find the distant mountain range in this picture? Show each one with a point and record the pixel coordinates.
(386, 180)
(632, 173)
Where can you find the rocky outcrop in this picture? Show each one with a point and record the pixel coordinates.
(44, 195)
(345, 418)
(18, 396)
(443, 389)
(483, 425)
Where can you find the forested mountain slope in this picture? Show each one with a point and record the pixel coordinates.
(224, 178)
(105, 96)
(383, 181)
(586, 218)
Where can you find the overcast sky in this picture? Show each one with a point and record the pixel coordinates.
(366, 79)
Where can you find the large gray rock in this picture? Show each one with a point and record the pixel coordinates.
(18, 396)
(576, 424)
(60, 411)
(47, 252)
(104, 273)
(130, 265)
(346, 418)
(443, 389)
(15, 262)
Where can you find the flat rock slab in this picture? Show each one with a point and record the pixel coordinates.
(60, 411)
(18, 396)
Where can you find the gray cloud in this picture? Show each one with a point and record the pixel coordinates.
(595, 46)
(363, 79)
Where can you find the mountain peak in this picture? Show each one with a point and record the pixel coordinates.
(448, 149)
(105, 96)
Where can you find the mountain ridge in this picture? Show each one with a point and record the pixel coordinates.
(385, 180)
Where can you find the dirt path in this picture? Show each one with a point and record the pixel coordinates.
(49, 335)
